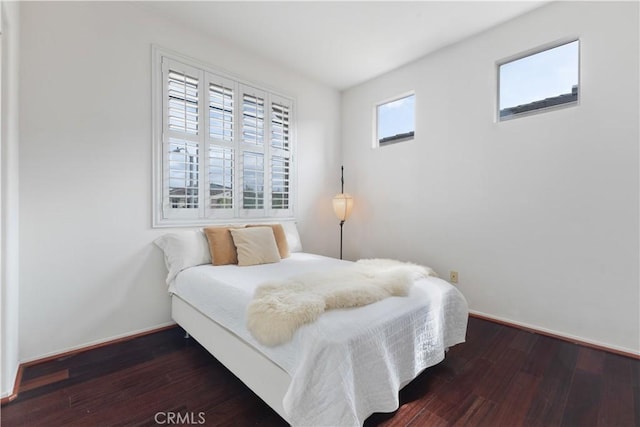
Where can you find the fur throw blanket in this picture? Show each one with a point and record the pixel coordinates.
(278, 309)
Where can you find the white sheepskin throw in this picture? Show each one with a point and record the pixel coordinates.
(278, 309)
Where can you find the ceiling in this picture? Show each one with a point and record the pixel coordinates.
(342, 44)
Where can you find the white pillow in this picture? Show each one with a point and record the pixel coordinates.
(293, 238)
(183, 250)
(255, 245)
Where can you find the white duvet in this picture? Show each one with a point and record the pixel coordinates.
(349, 363)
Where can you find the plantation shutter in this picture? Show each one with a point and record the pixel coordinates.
(221, 147)
(224, 149)
(253, 167)
(280, 153)
(182, 142)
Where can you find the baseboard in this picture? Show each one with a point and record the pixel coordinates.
(97, 344)
(554, 334)
(12, 396)
(81, 349)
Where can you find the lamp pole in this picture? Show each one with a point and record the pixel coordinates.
(341, 224)
(342, 192)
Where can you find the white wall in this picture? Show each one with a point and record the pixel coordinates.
(9, 196)
(88, 269)
(539, 215)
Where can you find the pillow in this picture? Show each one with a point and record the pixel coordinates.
(183, 250)
(221, 246)
(256, 245)
(280, 236)
(293, 238)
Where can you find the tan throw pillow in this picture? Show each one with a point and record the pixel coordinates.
(280, 236)
(255, 245)
(221, 246)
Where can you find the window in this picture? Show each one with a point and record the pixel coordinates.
(223, 147)
(540, 81)
(395, 120)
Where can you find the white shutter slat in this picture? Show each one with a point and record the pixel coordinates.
(182, 189)
(279, 126)
(183, 174)
(221, 187)
(280, 179)
(253, 119)
(252, 180)
(280, 110)
(182, 102)
(221, 121)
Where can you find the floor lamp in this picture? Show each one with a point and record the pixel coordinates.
(342, 206)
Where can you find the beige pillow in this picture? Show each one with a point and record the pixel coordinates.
(280, 236)
(221, 246)
(256, 245)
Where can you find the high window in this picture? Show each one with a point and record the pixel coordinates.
(223, 147)
(395, 120)
(540, 81)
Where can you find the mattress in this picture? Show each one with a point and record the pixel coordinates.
(350, 362)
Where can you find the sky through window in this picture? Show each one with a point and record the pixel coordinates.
(543, 75)
(396, 118)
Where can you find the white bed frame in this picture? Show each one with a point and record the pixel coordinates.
(266, 379)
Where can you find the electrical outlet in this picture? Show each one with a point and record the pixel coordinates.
(453, 276)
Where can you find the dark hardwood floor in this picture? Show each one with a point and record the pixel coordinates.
(500, 377)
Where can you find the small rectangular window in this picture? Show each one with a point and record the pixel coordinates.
(540, 81)
(395, 120)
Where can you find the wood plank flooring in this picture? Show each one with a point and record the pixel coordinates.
(500, 377)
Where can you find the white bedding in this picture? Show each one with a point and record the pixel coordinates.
(349, 363)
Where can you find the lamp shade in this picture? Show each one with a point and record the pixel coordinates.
(342, 205)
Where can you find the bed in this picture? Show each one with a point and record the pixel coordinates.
(341, 368)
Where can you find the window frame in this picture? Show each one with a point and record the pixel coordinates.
(376, 139)
(530, 52)
(162, 215)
